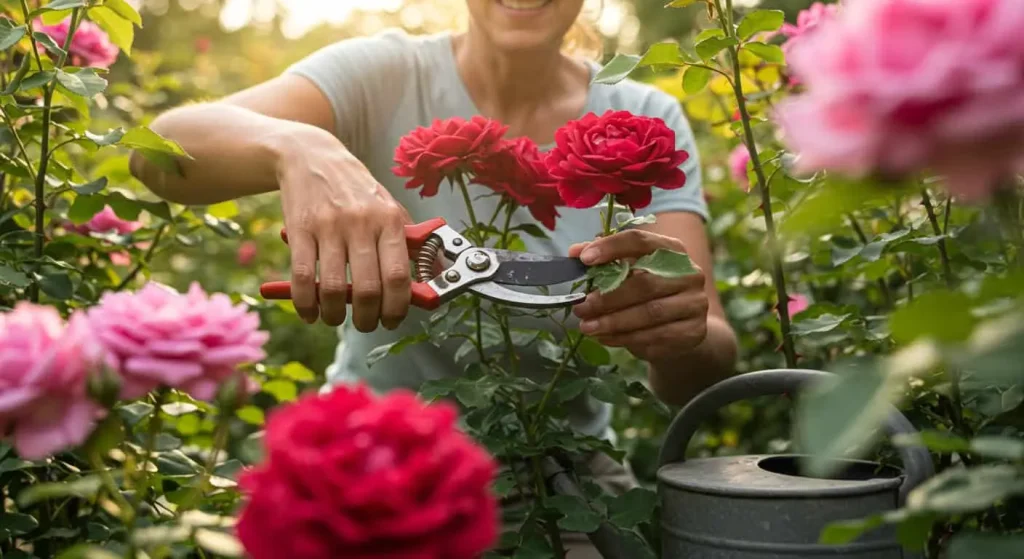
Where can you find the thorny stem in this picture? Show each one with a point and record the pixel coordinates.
(571, 351)
(155, 426)
(956, 404)
(127, 511)
(508, 221)
(44, 157)
(144, 260)
(778, 275)
(552, 527)
(17, 138)
(882, 285)
(469, 207)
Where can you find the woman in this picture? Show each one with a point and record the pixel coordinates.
(324, 133)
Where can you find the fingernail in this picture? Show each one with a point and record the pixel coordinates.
(589, 255)
(588, 326)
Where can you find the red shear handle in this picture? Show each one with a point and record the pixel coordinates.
(415, 235)
(423, 296)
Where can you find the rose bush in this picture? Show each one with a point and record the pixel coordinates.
(369, 477)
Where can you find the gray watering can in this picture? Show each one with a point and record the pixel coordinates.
(762, 507)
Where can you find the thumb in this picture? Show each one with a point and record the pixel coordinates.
(576, 249)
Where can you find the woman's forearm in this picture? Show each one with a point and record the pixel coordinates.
(678, 380)
(234, 152)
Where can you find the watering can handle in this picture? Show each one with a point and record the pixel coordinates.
(917, 462)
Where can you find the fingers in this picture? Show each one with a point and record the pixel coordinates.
(638, 288)
(651, 313)
(662, 341)
(395, 274)
(633, 243)
(367, 290)
(333, 282)
(303, 261)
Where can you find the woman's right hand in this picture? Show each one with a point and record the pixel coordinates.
(337, 213)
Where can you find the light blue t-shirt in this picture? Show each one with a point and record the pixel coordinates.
(383, 86)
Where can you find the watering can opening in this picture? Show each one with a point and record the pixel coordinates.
(847, 470)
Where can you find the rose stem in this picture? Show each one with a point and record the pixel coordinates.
(778, 274)
(864, 240)
(44, 157)
(571, 351)
(956, 405)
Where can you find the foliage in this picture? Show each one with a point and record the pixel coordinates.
(915, 295)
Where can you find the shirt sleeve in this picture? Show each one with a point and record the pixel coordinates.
(363, 78)
(689, 198)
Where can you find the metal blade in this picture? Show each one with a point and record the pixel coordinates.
(500, 294)
(527, 269)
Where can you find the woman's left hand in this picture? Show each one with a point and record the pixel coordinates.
(653, 317)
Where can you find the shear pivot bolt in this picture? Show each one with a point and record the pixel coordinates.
(452, 276)
(457, 242)
(478, 261)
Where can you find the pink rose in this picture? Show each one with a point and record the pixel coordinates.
(192, 341)
(246, 253)
(89, 47)
(45, 365)
(806, 21)
(106, 221)
(896, 87)
(797, 304)
(738, 161)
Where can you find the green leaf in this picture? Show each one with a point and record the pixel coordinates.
(120, 30)
(824, 209)
(297, 372)
(13, 277)
(176, 409)
(83, 82)
(135, 412)
(760, 20)
(633, 507)
(123, 206)
(944, 316)
(85, 207)
(219, 543)
(662, 54)
(125, 10)
(593, 352)
(818, 325)
(766, 52)
(666, 263)
(608, 277)
(681, 3)
(939, 441)
(283, 390)
(110, 138)
(88, 551)
(708, 48)
(57, 285)
(82, 487)
(142, 137)
(251, 415)
(841, 414)
(61, 5)
(966, 490)
(845, 531)
(37, 79)
(578, 516)
(48, 43)
(177, 463)
(17, 523)
(617, 69)
(1001, 448)
(10, 33)
(968, 545)
(695, 79)
(90, 187)
(380, 352)
(223, 210)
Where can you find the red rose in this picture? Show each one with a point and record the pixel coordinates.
(519, 171)
(348, 474)
(617, 153)
(429, 155)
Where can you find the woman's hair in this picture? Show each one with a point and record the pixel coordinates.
(583, 38)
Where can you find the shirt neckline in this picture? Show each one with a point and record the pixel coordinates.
(460, 85)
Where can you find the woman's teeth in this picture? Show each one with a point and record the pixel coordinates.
(523, 4)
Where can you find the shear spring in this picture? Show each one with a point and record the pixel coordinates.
(425, 259)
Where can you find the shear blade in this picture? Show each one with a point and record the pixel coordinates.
(526, 269)
(495, 292)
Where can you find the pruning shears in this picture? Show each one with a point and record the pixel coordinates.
(484, 271)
